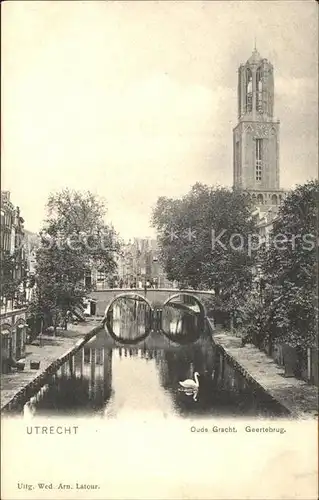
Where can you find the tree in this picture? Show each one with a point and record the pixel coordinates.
(290, 269)
(204, 241)
(10, 282)
(74, 239)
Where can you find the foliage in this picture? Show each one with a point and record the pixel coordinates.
(10, 280)
(253, 318)
(186, 228)
(290, 268)
(74, 240)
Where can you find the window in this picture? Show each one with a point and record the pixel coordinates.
(100, 276)
(249, 90)
(88, 279)
(258, 164)
(237, 161)
(259, 91)
(239, 95)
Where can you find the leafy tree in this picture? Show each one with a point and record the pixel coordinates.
(74, 240)
(11, 281)
(254, 320)
(290, 269)
(198, 242)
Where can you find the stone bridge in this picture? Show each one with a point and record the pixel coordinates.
(155, 296)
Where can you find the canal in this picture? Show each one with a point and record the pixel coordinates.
(132, 370)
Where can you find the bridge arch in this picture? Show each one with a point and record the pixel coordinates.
(189, 324)
(132, 295)
(193, 296)
(108, 326)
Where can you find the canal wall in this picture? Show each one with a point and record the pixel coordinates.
(19, 387)
(251, 373)
(243, 370)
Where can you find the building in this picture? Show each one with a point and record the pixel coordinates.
(12, 245)
(7, 223)
(13, 293)
(256, 145)
(137, 265)
(32, 243)
(256, 136)
(265, 222)
(157, 274)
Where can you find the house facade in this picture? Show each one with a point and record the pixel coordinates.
(13, 290)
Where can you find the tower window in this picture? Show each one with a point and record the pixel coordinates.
(237, 161)
(249, 90)
(258, 162)
(259, 91)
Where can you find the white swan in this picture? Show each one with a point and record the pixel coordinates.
(191, 392)
(190, 384)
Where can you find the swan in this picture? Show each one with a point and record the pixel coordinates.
(191, 392)
(190, 384)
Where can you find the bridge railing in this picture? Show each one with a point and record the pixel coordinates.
(169, 290)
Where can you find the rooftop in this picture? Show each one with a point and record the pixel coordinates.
(255, 57)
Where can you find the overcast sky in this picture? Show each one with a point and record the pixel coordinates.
(135, 100)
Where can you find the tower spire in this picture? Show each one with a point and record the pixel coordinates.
(255, 48)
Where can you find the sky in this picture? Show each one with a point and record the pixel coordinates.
(136, 100)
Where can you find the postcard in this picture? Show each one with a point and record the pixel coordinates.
(159, 302)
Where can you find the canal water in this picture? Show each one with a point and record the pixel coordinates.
(131, 370)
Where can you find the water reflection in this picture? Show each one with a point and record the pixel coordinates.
(129, 319)
(143, 380)
(81, 385)
(182, 318)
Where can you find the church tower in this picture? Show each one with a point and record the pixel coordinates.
(256, 136)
